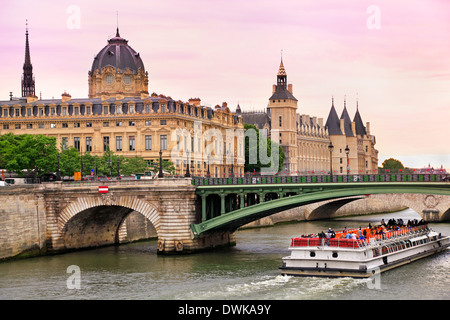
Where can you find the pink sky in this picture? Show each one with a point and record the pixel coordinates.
(230, 51)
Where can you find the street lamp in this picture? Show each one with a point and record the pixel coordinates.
(347, 151)
(187, 174)
(58, 173)
(331, 148)
(118, 168)
(208, 173)
(160, 174)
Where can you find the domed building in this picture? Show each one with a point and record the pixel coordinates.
(117, 68)
(120, 115)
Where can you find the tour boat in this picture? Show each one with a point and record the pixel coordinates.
(381, 249)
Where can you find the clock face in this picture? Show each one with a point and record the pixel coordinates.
(109, 79)
(127, 79)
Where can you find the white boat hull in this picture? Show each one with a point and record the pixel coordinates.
(358, 263)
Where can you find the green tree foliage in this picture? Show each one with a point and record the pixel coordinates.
(28, 153)
(252, 148)
(167, 166)
(392, 164)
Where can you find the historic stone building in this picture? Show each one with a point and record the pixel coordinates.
(121, 115)
(306, 140)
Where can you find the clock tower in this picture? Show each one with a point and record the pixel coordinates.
(283, 109)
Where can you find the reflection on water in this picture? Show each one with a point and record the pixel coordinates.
(247, 271)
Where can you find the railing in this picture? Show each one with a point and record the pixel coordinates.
(202, 181)
(355, 243)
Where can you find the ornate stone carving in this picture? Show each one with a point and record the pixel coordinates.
(108, 199)
(431, 201)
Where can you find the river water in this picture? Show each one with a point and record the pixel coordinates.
(247, 271)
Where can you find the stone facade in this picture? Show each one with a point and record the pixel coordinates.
(305, 139)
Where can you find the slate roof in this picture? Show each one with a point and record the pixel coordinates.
(118, 54)
(333, 124)
(359, 126)
(282, 93)
(347, 123)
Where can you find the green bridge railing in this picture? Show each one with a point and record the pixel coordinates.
(202, 181)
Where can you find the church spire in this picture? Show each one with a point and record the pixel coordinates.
(28, 88)
(282, 76)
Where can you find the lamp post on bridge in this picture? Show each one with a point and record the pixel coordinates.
(331, 148)
(160, 174)
(347, 151)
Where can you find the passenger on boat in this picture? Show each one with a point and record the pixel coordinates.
(348, 236)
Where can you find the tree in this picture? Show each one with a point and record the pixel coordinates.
(252, 149)
(167, 166)
(28, 153)
(392, 164)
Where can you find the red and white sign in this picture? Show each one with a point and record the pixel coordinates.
(103, 189)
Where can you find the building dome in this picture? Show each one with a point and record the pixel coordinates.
(117, 70)
(119, 55)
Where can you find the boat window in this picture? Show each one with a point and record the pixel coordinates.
(312, 254)
(335, 254)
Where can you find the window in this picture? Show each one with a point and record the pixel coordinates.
(163, 142)
(105, 124)
(163, 122)
(118, 123)
(132, 143)
(52, 111)
(109, 79)
(41, 126)
(148, 123)
(105, 109)
(88, 144)
(64, 111)
(163, 107)
(65, 143)
(88, 124)
(41, 112)
(5, 112)
(53, 125)
(76, 143)
(118, 109)
(147, 108)
(105, 143)
(28, 112)
(131, 108)
(65, 125)
(76, 124)
(17, 112)
(29, 126)
(118, 143)
(281, 121)
(17, 126)
(148, 142)
(77, 111)
(6, 126)
(131, 123)
(88, 110)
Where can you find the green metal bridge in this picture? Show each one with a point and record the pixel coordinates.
(228, 203)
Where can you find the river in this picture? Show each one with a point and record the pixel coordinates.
(247, 271)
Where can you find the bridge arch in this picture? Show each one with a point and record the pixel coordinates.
(99, 220)
(235, 219)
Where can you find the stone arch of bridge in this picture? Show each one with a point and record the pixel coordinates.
(97, 221)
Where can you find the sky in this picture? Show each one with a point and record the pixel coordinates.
(393, 57)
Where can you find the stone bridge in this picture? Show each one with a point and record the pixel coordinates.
(56, 217)
(59, 217)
